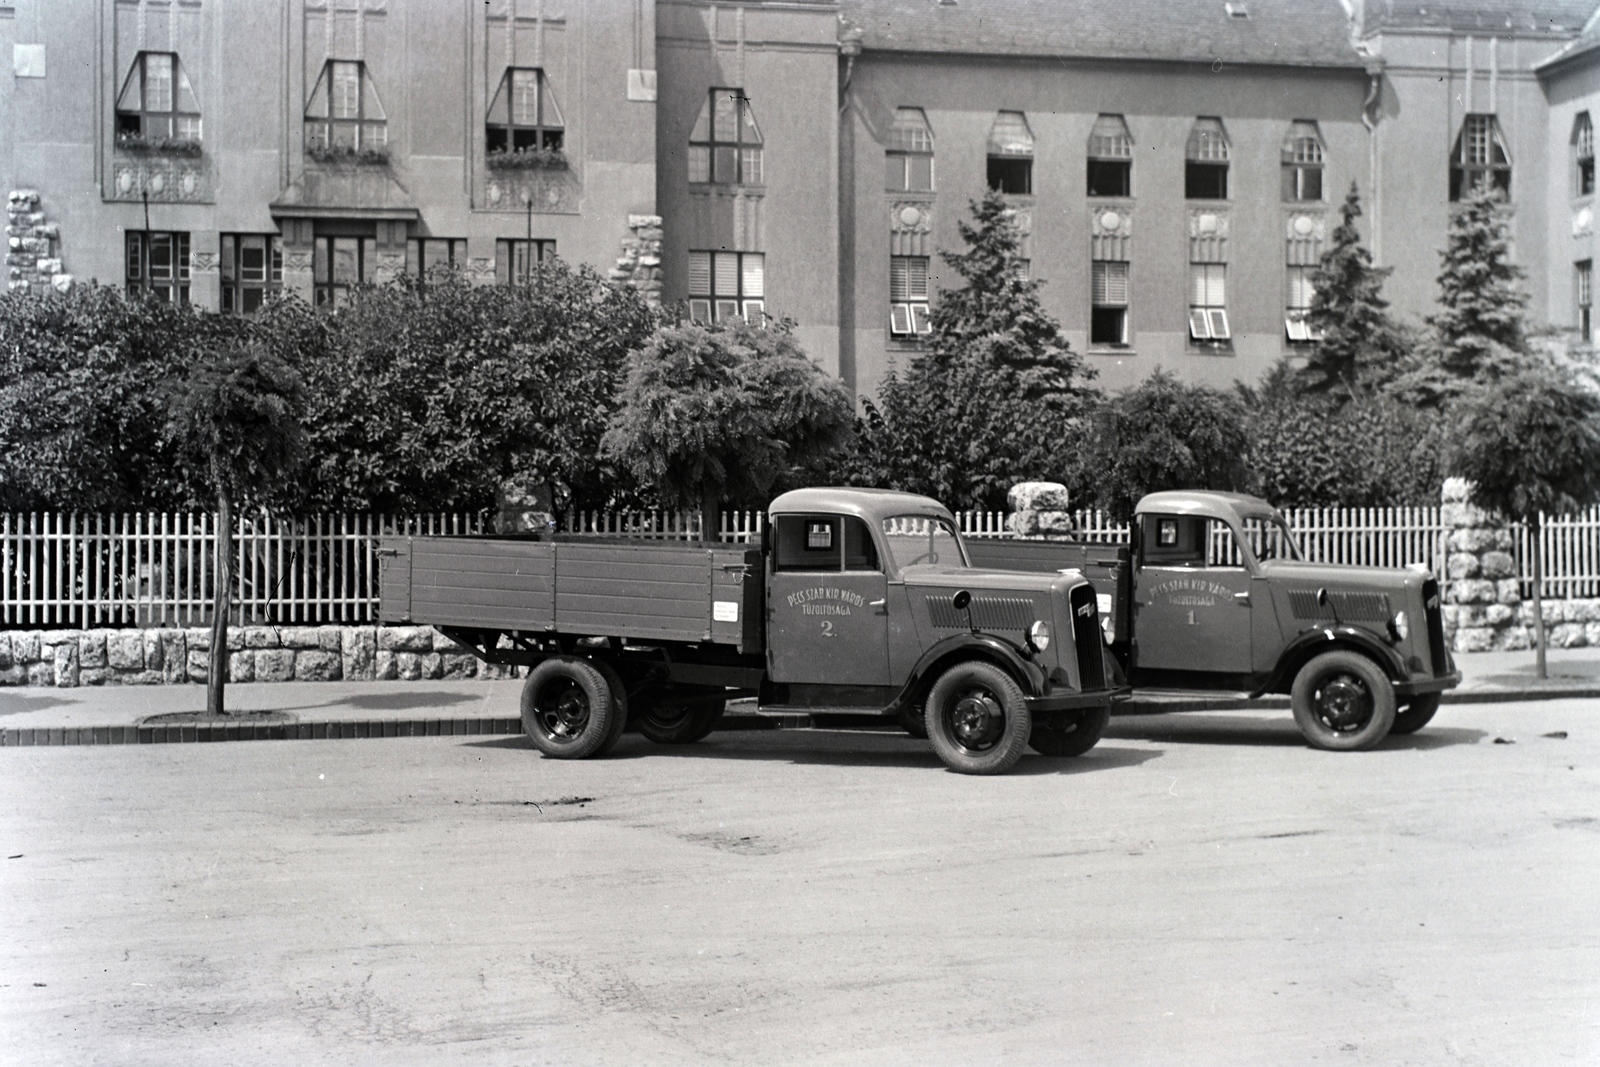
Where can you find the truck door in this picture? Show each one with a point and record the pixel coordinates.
(827, 623)
(1191, 597)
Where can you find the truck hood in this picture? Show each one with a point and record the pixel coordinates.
(1339, 576)
(980, 578)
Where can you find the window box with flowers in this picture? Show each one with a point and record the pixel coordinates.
(527, 159)
(344, 153)
(159, 146)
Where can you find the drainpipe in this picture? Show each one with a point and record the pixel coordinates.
(1369, 119)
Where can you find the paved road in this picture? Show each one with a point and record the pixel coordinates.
(1200, 889)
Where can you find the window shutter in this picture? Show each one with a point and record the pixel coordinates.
(910, 131)
(754, 271)
(1010, 135)
(1208, 143)
(1110, 139)
(899, 279)
(1110, 286)
(899, 318)
(700, 273)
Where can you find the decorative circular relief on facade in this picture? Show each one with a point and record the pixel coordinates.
(125, 181)
(1582, 220)
(189, 183)
(1111, 221)
(157, 183)
(1207, 223)
(910, 216)
(1303, 225)
(494, 192)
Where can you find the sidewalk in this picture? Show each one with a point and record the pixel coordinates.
(315, 710)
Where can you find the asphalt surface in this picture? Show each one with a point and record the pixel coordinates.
(1199, 889)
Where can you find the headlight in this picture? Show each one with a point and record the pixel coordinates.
(1107, 628)
(1399, 626)
(1039, 635)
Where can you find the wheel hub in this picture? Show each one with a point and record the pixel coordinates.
(977, 719)
(566, 714)
(1343, 703)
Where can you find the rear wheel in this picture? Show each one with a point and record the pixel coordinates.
(1070, 733)
(568, 709)
(1415, 715)
(678, 723)
(619, 700)
(1342, 702)
(977, 719)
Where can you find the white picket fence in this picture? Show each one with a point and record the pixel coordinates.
(67, 571)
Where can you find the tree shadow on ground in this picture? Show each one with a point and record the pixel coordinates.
(18, 704)
(391, 701)
(1212, 728)
(840, 748)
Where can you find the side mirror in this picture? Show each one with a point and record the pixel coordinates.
(961, 600)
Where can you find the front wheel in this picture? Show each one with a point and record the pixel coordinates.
(978, 719)
(569, 709)
(1342, 702)
(1415, 715)
(1071, 734)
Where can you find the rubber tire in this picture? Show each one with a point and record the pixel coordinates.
(910, 719)
(545, 684)
(682, 724)
(619, 696)
(1003, 691)
(1351, 667)
(1082, 733)
(1415, 715)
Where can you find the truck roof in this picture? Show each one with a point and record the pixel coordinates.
(1229, 507)
(873, 505)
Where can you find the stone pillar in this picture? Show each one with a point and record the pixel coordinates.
(1482, 594)
(33, 257)
(1039, 509)
(298, 258)
(639, 266)
(525, 506)
(205, 269)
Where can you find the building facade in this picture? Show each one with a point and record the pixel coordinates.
(1176, 165)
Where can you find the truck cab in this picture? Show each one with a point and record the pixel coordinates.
(1213, 594)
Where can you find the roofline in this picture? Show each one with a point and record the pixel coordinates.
(1574, 51)
(1356, 62)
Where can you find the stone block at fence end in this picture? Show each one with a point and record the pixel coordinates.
(300, 637)
(274, 664)
(66, 665)
(153, 649)
(357, 645)
(1508, 591)
(174, 654)
(241, 666)
(6, 662)
(1462, 565)
(1056, 523)
(92, 649)
(405, 638)
(95, 675)
(1473, 591)
(1455, 490)
(1038, 496)
(1023, 523)
(198, 665)
(1470, 615)
(25, 646)
(125, 650)
(1480, 539)
(260, 637)
(1568, 635)
(316, 665)
(1498, 614)
(1497, 564)
(384, 667)
(458, 665)
(1464, 516)
(407, 666)
(1474, 639)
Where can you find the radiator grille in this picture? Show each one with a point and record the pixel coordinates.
(1430, 607)
(1086, 637)
(988, 613)
(1348, 607)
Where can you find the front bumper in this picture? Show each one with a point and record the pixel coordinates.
(1071, 699)
(1428, 685)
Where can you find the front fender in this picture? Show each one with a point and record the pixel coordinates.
(1327, 638)
(974, 646)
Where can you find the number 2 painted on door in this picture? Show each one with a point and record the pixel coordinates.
(827, 628)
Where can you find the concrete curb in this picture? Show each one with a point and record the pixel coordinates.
(1278, 702)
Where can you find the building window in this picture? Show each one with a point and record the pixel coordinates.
(427, 256)
(1302, 162)
(157, 103)
(1011, 153)
(1297, 308)
(724, 286)
(909, 158)
(344, 115)
(1479, 160)
(1583, 155)
(339, 265)
(725, 146)
(158, 264)
(523, 116)
(1584, 276)
(516, 262)
(1110, 157)
(1108, 317)
(252, 267)
(908, 296)
(1205, 172)
(1208, 302)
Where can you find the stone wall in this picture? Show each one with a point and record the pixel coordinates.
(1483, 605)
(68, 658)
(639, 266)
(1039, 509)
(32, 259)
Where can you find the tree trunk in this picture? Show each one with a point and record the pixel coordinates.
(1538, 596)
(221, 604)
(710, 516)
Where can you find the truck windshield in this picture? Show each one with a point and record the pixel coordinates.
(915, 540)
(1271, 539)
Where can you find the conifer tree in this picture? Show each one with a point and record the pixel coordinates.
(996, 397)
(1357, 340)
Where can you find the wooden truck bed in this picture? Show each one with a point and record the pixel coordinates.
(648, 591)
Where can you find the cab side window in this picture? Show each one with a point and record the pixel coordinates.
(1187, 541)
(806, 543)
(860, 554)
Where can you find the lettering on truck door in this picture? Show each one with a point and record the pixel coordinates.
(828, 624)
(1191, 597)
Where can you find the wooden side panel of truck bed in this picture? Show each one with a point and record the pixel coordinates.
(635, 589)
